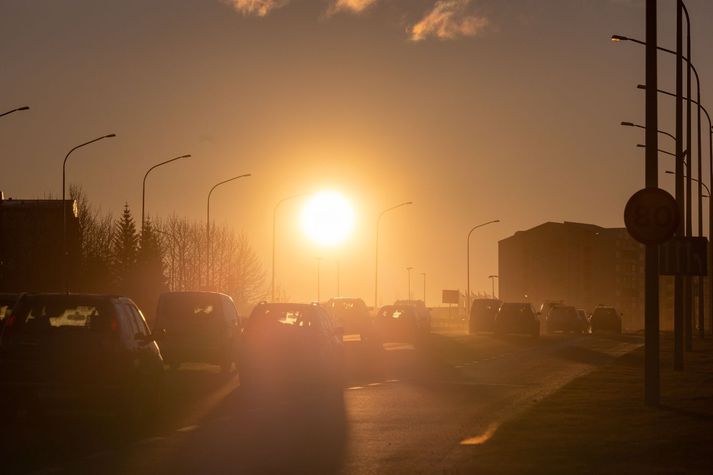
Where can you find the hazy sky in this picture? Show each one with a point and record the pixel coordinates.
(475, 110)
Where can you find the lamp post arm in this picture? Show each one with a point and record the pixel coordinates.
(143, 186)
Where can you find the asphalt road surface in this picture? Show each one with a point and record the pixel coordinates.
(404, 410)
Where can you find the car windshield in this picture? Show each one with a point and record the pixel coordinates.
(485, 305)
(516, 309)
(46, 314)
(180, 309)
(605, 312)
(283, 315)
(346, 307)
(564, 312)
(397, 312)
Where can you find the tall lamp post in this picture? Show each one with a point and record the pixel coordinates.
(274, 226)
(65, 257)
(409, 269)
(467, 258)
(376, 254)
(319, 263)
(710, 209)
(23, 108)
(207, 225)
(143, 186)
(424, 287)
(492, 283)
(682, 290)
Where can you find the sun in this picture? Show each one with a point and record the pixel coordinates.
(328, 218)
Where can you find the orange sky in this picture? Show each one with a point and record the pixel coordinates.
(474, 110)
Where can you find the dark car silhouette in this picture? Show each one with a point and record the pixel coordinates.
(80, 352)
(482, 315)
(565, 319)
(352, 315)
(605, 319)
(401, 323)
(291, 346)
(517, 318)
(199, 327)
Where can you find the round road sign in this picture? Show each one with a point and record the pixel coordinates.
(651, 216)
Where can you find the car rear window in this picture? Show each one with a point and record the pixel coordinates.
(179, 310)
(282, 315)
(47, 314)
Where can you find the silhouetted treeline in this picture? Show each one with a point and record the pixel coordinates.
(170, 254)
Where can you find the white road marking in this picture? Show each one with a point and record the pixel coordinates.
(187, 428)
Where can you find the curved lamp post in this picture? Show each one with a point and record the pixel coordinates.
(143, 186)
(663, 132)
(23, 108)
(64, 207)
(376, 254)
(274, 226)
(700, 207)
(467, 253)
(207, 225)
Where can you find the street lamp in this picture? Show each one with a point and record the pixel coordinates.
(376, 254)
(319, 262)
(64, 207)
(207, 225)
(23, 108)
(143, 187)
(682, 306)
(492, 282)
(274, 225)
(663, 132)
(408, 269)
(467, 253)
(424, 287)
(665, 152)
(710, 210)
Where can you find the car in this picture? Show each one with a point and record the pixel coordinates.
(352, 315)
(423, 311)
(79, 352)
(517, 317)
(564, 318)
(405, 323)
(582, 314)
(7, 300)
(291, 347)
(605, 319)
(202, 327)
(482, 315)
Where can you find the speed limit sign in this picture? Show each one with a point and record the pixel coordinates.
(651, 216)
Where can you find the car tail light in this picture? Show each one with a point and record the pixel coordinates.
(9, 321)
(114, 325)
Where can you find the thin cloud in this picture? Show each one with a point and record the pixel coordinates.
(350, 6)
(448, 19)
(256, 7)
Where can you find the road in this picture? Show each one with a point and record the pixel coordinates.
(404, 410)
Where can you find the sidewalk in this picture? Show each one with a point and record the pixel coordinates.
(599, 423)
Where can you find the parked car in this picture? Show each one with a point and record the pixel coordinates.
(401, 323)
(424, 313)
(6, 303)
(199, 327)
(291, 346)
(605, 319)
(482, 315)
(582, 314)
(517, 317)
(79, 352)
(352, 315)
(564, 318)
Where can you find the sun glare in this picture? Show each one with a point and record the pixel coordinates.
(328, 218)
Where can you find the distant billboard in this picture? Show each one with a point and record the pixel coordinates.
(451, 296)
